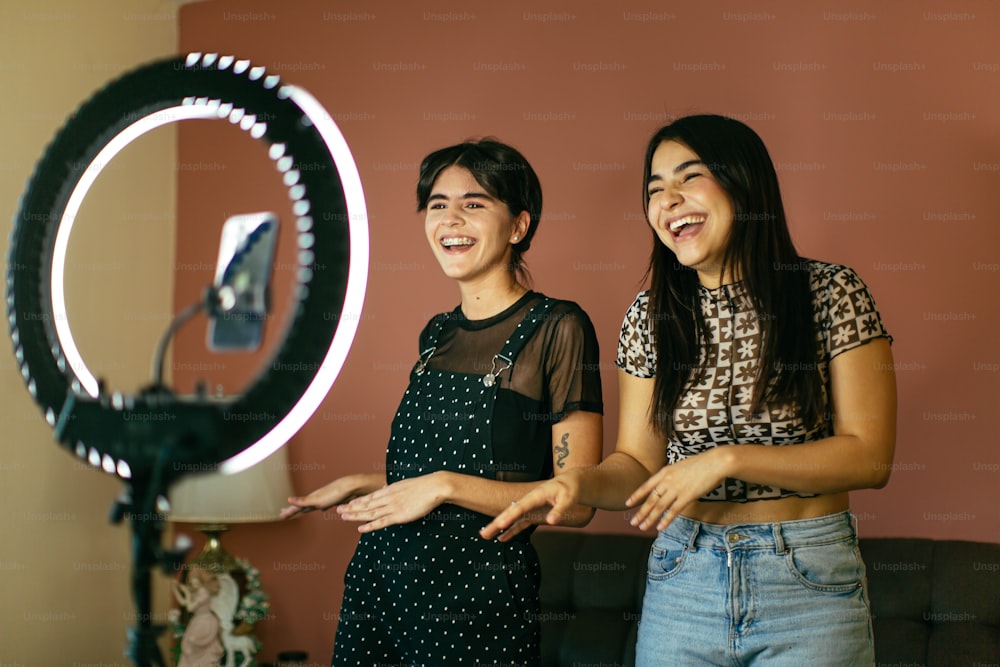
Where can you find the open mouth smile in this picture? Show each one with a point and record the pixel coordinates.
(458, 241)
(678, 227)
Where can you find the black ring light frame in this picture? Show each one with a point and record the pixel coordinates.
(153, 438)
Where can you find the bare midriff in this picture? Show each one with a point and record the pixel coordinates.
(790, 508)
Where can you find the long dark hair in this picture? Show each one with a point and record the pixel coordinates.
(503, 172)
(762, 255)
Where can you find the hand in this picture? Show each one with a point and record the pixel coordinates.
(547, 503)
(400, 502)
(675, 486)
(183, 594)
(336, 492)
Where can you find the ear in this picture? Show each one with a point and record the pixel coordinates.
(521, 224)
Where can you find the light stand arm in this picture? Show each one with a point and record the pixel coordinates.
(209, 303)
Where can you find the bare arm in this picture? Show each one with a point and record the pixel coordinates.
(338, 491)
(639, 451)
(577, 442)
(858, 456)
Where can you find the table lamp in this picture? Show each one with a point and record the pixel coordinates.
(214, 502)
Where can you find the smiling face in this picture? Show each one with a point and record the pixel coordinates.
(469, 230)
(689, 211)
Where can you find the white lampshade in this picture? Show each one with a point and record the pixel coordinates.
(253, 495)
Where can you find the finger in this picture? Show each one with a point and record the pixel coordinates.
(640, 494)
(667, 517)
(358, 514)
(515, 528)
(527, 521)
(518, 509)
(380, 522)
(656, 503)
(370, 501)
(361, 515)
(358, 503)
(490, 530)
(502, 521)
(673, 512)
(643, 509)
(369, 527)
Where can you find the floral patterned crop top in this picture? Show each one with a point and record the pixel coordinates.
(715, 410)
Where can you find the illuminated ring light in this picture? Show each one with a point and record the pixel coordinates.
(331, 225)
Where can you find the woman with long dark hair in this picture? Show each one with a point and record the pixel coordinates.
(505, 392)
(756, 390)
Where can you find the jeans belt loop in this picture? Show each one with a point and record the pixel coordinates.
(691, 546)
(779, 540)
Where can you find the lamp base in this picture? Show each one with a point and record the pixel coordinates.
(213, 558)
(236, 598)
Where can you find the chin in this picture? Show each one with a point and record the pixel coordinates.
(453, 272)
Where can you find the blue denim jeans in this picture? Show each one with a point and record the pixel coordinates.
(769, 594)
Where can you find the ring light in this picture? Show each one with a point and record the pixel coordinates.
(118, 433)
(298, 129)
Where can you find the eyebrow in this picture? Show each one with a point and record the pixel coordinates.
(678, 169)
(467, 195)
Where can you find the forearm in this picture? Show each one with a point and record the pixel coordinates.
(832, 465)
(490, 497)
(607, 485)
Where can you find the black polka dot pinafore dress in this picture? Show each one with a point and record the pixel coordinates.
(433, 592)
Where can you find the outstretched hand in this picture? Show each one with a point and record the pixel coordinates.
(547, 503)
(673, 487)
(323, 498)
(400, 502)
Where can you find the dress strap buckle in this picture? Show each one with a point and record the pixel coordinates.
(425, 356)
(490, 378)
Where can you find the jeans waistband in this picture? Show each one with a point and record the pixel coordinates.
(777, 536)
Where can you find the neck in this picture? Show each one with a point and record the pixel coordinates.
(483, 299)
(711, 280)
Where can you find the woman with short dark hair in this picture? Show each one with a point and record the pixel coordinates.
(505, 392)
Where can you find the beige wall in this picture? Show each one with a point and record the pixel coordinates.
(64, 570)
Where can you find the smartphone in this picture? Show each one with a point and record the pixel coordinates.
(242, 282)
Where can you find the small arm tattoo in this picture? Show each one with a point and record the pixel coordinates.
(562, 451)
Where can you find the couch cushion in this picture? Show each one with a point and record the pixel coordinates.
(965, 603)
(899, 583)
(934, 602)
(591, 595)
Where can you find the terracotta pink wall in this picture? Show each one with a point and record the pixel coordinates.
(883, 120)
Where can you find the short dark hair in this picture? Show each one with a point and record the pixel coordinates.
(502, 171)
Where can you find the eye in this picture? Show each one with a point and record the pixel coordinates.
(653, 191)
(435, 207)
(474, 204)
(689, 176)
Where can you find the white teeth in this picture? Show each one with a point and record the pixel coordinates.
(448, 243)
(677, 225)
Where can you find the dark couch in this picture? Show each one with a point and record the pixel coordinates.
(934, 602)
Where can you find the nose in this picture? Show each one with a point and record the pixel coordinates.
(671, 198)
(452, 216)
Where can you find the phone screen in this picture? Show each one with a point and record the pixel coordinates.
(242, 281)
